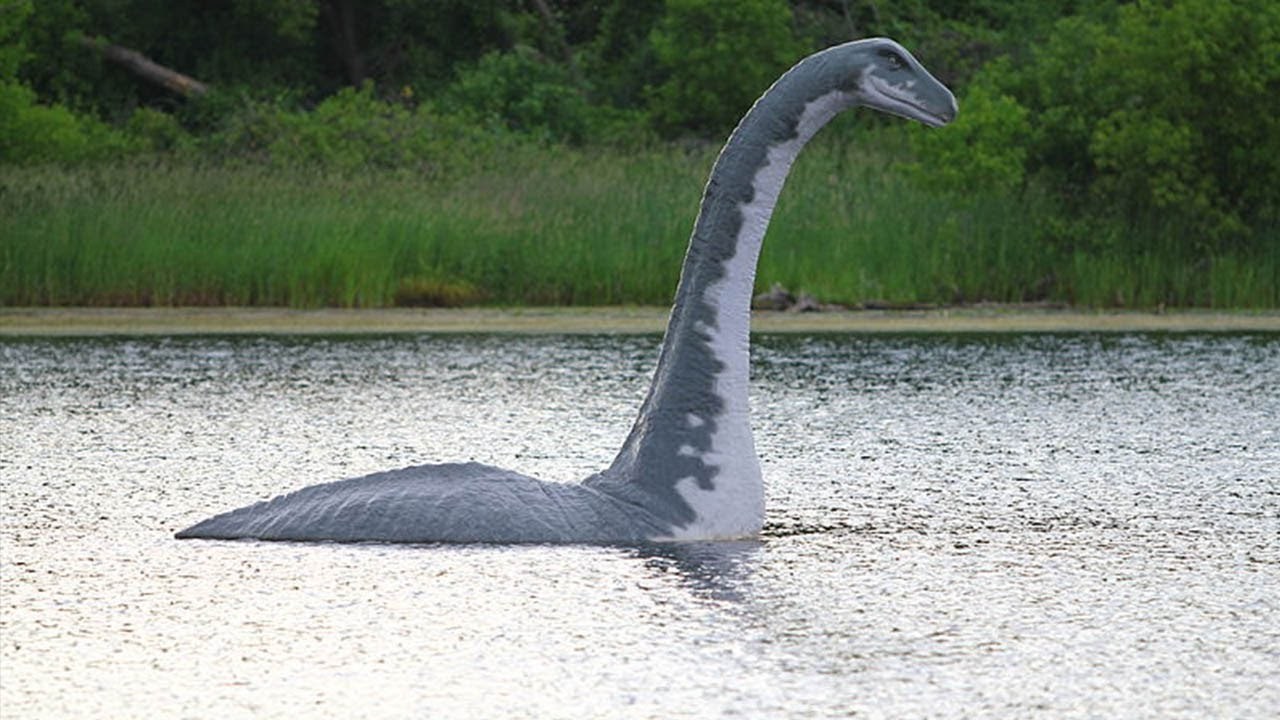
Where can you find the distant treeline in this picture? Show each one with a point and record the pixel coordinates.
(1130, 128)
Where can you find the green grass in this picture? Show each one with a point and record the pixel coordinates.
(556, 227)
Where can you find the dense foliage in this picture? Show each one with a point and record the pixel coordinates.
(716, 56)
(1157, 112)
(1131, 128)
(562, 70)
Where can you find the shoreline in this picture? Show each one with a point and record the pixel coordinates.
(53, 322)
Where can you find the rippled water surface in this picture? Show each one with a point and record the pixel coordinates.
(1003, 526)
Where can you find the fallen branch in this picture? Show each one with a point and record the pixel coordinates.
(145, 68)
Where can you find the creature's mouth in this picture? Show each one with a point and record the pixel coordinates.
(895, 101)
(931, 119)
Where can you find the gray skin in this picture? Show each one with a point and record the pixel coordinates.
(637, 498)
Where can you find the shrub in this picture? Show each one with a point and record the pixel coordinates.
(718, 57)
(156, 131)
(351, 131)
(32, 133)
(519, 91)
(985, 150)
(1190, 124)
(1168, 112)
(1162, 117)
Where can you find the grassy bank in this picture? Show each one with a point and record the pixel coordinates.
(555, 227)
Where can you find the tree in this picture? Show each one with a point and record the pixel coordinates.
(523, 92)
(1191, 124)
(718, 57)
(1163, 112)
(13, 15)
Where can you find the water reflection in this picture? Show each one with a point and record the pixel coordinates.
(717, 571)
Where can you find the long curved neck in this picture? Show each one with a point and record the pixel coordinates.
(713, 299)
(693, 436)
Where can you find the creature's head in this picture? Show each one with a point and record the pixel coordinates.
(886, 77)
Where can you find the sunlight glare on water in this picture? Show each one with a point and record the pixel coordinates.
(958, 526)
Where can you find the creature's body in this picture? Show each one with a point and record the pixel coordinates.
(688, 470)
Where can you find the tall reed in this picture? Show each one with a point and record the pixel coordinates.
(556, 226)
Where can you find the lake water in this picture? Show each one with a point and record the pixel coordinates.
(958, 526)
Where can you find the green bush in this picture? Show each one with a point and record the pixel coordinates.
(1191, 123)
(351, 131)
(232, 125)
(985, 150)
(519, 91)
(156, 131)
(718, 57)
(29, 132)
(1167, 115)
(32, 133)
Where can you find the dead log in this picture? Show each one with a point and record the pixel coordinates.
(145, 68)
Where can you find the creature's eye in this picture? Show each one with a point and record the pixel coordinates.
(893, 60)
